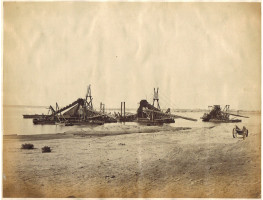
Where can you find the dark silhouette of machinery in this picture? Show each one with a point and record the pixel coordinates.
(77, 113)
(216, 114)
(151, 115)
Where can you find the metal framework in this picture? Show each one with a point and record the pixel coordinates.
(89, 98)
(156, 97)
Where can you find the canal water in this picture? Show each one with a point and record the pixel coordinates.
(14, 123)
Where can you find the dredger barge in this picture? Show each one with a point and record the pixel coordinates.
(81, 112)
(217, 115)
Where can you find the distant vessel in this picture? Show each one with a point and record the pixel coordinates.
(217, 115)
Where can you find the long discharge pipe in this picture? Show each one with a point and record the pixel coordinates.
(169, 115)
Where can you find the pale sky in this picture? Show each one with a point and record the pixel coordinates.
(198, 54)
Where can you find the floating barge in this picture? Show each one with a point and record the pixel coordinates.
(217, 115)
(43, 121)
(156, 122)
(150, 115)
(34, 116)
(79, 112)
(225, 121)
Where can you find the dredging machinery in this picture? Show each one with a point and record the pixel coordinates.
(150, 115)
(79, 112)
(217, 115)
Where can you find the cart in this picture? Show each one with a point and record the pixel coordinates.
(237, 131)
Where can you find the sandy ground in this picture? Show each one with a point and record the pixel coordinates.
(135, 162)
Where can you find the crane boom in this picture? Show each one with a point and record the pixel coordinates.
(68, 106)
(169, 115)
(236, 115)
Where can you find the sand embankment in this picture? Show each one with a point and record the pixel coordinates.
(97, 131)
(198, 162)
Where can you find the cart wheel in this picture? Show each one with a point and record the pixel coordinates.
(234, 133)
(246, 133)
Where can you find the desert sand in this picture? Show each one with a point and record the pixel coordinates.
(133, 161)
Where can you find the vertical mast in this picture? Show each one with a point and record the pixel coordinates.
(89, 99)
(156, 97)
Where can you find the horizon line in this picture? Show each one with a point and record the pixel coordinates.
(114, 108)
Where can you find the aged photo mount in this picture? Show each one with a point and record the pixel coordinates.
(131, 99)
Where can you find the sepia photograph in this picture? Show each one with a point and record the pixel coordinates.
(131, 99)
